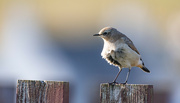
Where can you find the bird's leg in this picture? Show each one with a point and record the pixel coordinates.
(117, 75)
(127, 76)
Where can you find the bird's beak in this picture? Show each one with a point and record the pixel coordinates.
(96, 35)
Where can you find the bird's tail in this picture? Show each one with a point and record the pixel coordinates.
(145, 69)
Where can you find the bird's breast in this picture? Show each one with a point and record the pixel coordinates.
(107, 48)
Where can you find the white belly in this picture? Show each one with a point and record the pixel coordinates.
(123, 54)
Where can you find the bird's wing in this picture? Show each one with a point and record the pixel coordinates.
(112, 58)
(130, 44)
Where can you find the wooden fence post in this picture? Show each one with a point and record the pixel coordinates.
(128, 93)
(33, 91)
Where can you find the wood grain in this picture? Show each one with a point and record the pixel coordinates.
(30, 91)
(128, 93)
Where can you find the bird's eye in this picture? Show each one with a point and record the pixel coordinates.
(105, 33)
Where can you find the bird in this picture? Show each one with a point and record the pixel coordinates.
(119, 50)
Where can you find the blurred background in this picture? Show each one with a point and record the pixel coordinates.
(52, 40)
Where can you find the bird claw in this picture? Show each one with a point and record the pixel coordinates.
(113, 83)
(124, 83)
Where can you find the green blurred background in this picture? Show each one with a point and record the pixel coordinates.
(52, 40)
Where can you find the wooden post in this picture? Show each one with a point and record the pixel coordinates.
(30, 91)
(128, 93)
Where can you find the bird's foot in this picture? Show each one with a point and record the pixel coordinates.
(113, 83)
(124, 83)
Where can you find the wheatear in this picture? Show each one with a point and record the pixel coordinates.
(120, 51)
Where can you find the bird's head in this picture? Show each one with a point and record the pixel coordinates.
(106, 33)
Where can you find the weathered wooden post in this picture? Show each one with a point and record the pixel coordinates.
(128, 93)
(32, 91)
